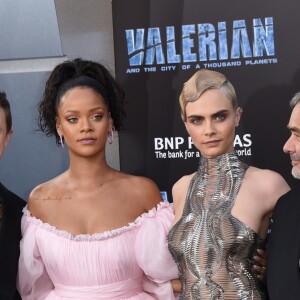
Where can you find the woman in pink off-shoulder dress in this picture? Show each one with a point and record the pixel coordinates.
(92, 232)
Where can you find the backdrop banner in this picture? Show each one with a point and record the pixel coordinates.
(160, 44)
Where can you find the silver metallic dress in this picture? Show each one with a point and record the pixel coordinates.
(214, 250)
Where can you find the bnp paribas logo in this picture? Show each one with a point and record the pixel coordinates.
(201, 43)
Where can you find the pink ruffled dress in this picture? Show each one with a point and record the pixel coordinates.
(132, 262)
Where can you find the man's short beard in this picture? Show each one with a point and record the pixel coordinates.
(296, 173)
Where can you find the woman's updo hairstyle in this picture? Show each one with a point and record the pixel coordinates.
(79, 73)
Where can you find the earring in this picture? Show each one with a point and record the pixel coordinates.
(61, 141)
(110, 136)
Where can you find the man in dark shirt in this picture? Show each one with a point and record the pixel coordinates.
(283, 252)
(10, 217)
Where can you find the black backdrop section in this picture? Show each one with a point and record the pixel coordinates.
(160, 44)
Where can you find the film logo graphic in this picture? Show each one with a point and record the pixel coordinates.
(203, 45)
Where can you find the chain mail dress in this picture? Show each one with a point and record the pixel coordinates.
(214, 250)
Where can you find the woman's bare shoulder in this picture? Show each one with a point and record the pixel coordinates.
(268, 181)
(141, 189)
(179, 192)
(40, 198)
(183, 183)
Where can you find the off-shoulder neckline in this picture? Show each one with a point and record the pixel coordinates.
(94, 236)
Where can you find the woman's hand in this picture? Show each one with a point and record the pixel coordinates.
(176, 285)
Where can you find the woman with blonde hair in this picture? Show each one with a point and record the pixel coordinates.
(222, 211)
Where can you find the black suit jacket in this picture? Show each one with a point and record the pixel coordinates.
(10, 235)
(283, 251)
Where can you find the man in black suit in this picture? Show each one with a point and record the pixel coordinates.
(10, 217)
(283, 252)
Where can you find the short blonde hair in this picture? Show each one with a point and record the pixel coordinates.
(202, 81)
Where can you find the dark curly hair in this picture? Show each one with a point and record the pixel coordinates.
(4, 104)
(79, 73)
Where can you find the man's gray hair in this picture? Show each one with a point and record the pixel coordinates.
(295, 100)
